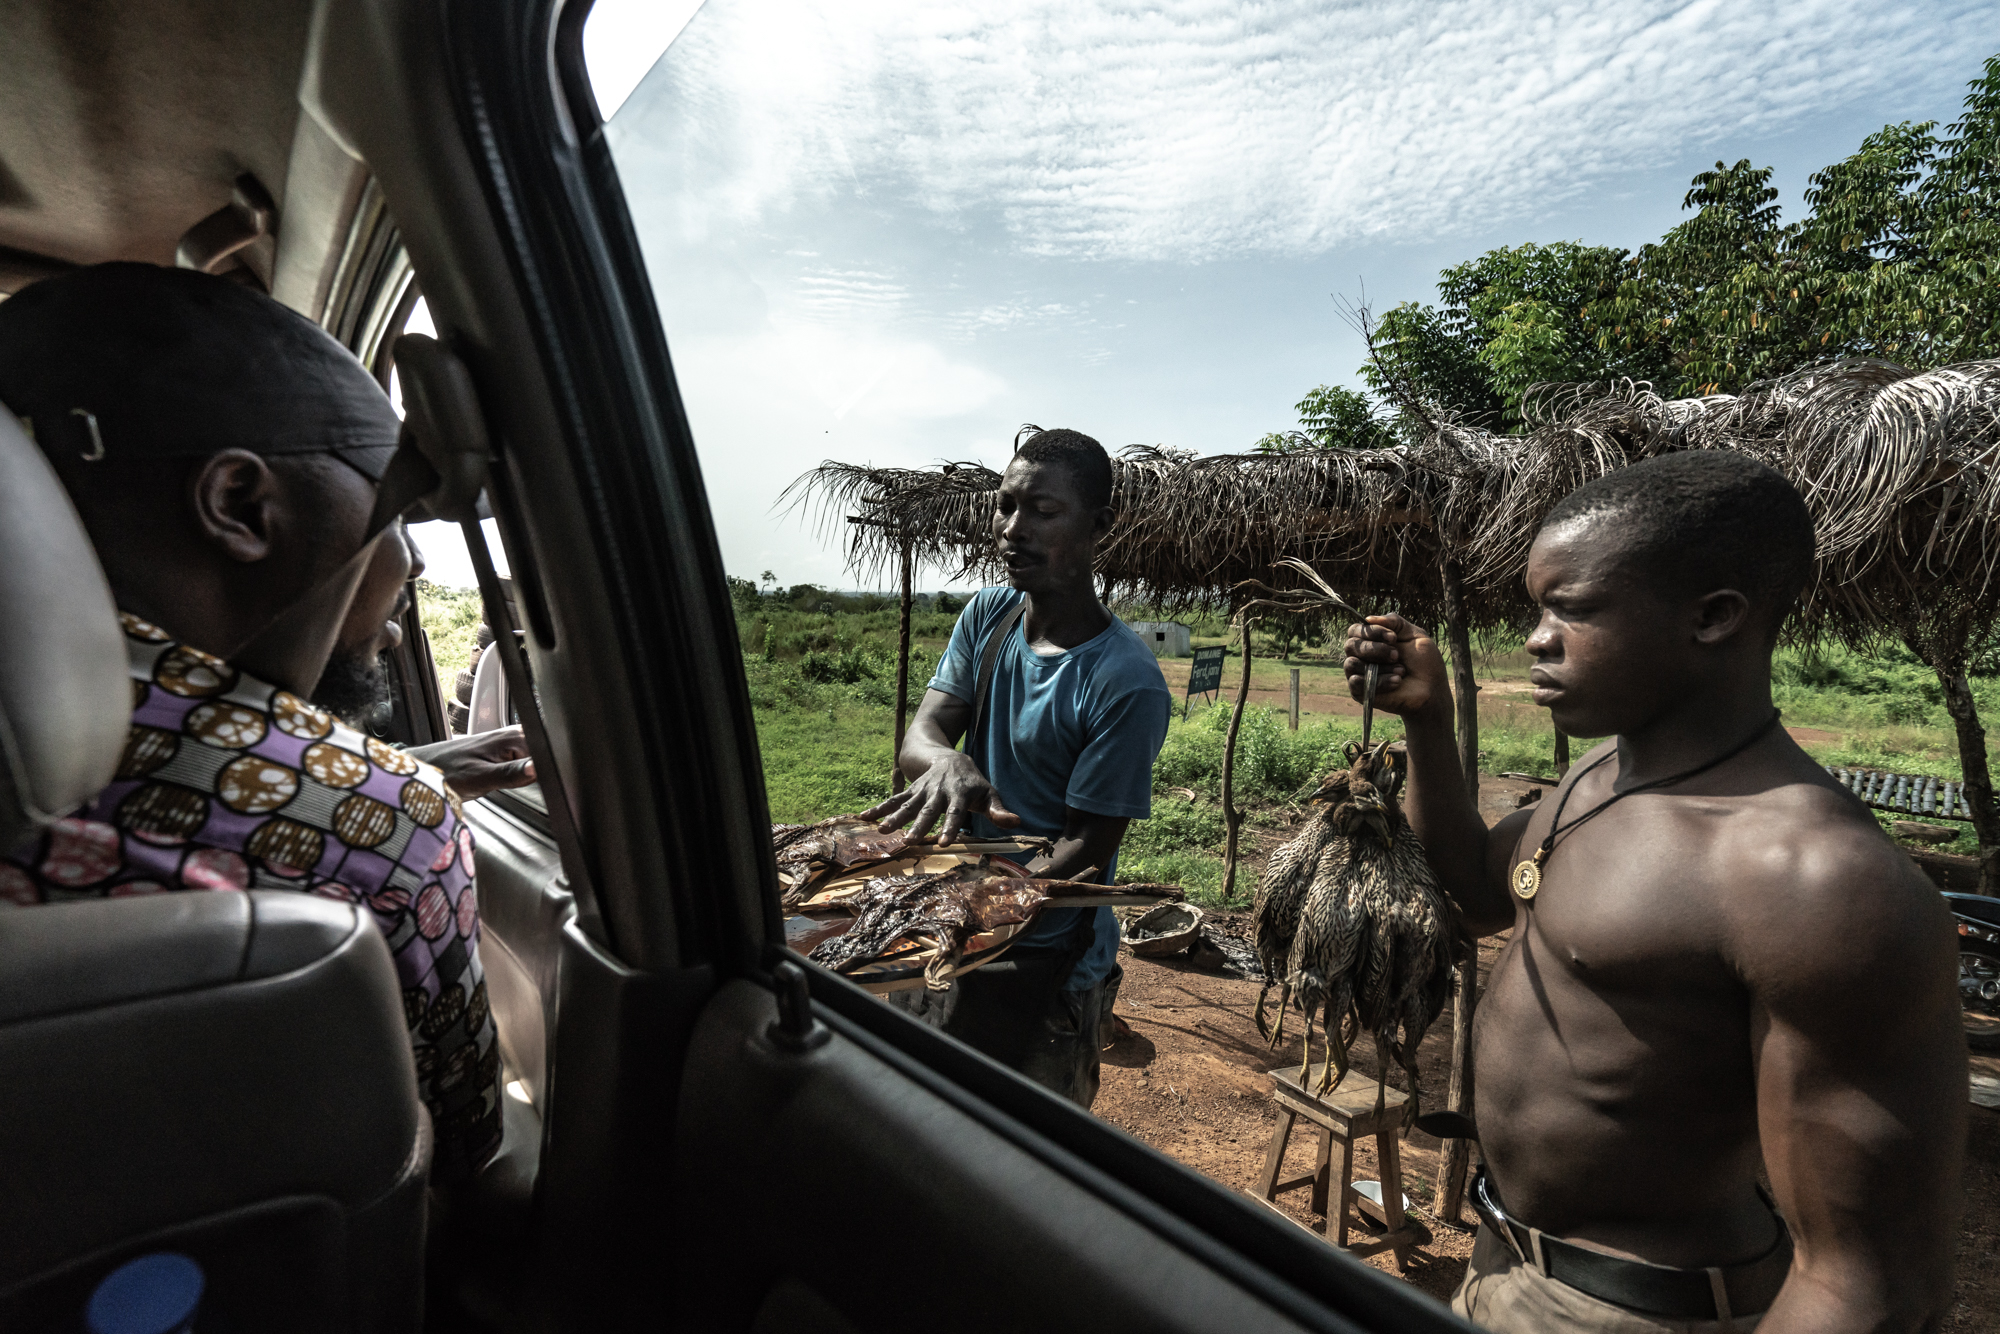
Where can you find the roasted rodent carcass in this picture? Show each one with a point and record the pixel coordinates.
(810, 853)
(946, 910)
(1351, 925)
(804, 850)
(949, 908)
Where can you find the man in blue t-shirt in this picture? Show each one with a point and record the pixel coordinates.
(1075, 713)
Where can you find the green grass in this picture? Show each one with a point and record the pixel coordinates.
(451, 619)
(822, 684)
(823, 762)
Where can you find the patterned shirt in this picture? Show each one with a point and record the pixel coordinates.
(230, 783)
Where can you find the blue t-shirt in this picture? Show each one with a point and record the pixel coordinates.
(1080, 728)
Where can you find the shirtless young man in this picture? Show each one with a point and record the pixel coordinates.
(1733, 970)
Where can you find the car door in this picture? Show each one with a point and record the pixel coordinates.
(724, 1136)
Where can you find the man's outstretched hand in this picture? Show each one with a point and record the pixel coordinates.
(1413, 672)
(481, 763)
(953, 788)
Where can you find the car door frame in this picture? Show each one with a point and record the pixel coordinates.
(535, 276)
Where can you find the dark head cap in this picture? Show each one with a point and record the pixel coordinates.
(134, 361)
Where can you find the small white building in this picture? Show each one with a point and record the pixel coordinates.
(1167, 639)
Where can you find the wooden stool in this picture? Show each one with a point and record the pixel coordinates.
(1343, 1115)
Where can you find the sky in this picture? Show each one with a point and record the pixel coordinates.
(893, 233)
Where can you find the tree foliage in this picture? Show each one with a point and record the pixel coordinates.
(1332, 417)
(1898, 258)
(1511, 319)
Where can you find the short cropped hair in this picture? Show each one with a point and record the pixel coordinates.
(1699, 520)
(1085, 459)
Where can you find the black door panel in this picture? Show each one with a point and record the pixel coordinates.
(894, 1173)
(831, 1174)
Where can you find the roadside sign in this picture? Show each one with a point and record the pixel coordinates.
(1205, 676)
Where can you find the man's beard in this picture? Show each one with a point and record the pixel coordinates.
(355, 688)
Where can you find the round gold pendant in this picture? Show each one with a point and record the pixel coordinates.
(1527, 879)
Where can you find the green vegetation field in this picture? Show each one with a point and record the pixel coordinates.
(821, 672)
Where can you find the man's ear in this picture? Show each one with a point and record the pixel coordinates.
(1719, 615)
(235, 497)
(1101, 527)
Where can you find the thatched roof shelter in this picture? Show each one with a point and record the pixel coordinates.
(940, 517)
(1900, 470)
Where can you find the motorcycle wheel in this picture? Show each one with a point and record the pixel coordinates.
(1979, 992)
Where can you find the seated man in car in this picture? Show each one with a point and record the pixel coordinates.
(355, 685)
(224, 453)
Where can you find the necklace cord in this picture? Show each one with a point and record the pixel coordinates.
(1557, 827)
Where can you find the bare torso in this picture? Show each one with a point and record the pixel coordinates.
(1615, 1077)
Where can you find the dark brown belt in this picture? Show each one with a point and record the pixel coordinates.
(1733, 1291)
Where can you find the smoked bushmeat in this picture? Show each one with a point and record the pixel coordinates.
(940, 912)
(810, 853)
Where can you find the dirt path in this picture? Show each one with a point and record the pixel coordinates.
(1192, 1081)
(1320, 695)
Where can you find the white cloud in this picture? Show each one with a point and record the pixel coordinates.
(621, 41)
(845, 296)
(1203, 129)
(770, 405)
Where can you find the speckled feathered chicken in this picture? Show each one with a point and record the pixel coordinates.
(1352, 926)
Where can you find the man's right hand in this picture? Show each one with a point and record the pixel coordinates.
(953, 788)
(1413, 674)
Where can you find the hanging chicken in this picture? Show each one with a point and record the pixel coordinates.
(1350, 925)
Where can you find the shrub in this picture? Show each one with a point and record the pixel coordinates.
(1273, 764)
(843, 666)
(1176, 825)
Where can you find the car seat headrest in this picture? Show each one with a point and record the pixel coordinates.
(65, 702)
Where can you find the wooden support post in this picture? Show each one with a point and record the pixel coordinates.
(1464, 689)
(1295, 699)
(1964, 711)
(1562, 752)
(896, 780)
(1457, 1155)
(1232, 818)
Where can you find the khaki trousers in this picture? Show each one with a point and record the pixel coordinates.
(1504, 1295)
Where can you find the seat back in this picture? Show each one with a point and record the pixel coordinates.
(64, 699)
(221, 1075)
(225, 1076)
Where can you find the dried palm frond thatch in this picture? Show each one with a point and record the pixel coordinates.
(943, 517)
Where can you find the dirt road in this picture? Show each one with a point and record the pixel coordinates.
(1192, 1081)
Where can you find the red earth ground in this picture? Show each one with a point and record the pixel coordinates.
(1193, 1082)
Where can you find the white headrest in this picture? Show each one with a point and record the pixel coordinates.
(65, 703)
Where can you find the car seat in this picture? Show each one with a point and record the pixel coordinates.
(225, 1076)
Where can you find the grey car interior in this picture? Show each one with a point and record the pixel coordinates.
(703, 1132)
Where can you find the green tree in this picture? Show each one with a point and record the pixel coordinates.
(1700, 307)
(1506, 321)
(1897, 259)
(1331, 417)
(1904, 239)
